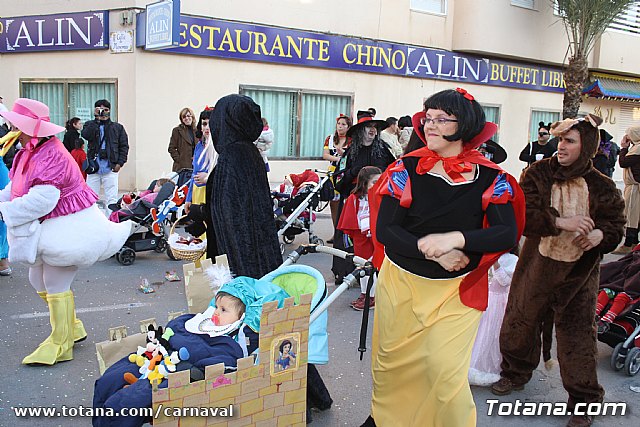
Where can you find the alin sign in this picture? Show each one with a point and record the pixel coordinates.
(250, 42)
(162, 20)
(68, 31)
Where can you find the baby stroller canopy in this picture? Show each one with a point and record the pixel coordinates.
(297, 280)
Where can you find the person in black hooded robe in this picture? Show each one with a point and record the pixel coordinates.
(241, 207)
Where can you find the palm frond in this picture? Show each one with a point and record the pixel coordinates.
(586, 20)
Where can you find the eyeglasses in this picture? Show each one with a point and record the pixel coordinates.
(543, 133)
(187, 115)
(440, 121)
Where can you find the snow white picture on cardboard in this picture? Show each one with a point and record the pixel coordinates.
(285, 354)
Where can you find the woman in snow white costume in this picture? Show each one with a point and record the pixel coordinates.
(444, 213)
(53, 224)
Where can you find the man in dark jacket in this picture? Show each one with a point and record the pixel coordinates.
(109, 145)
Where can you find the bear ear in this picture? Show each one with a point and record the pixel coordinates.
(594, 120)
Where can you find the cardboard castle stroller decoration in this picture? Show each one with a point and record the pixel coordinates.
(271, 392)
(261, 395)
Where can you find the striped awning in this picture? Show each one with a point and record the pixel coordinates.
(613, 87)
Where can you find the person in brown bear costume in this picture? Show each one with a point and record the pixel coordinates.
(574, 215)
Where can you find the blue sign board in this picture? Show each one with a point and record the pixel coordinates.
(162, 24)
(250, 42)
(67, 31)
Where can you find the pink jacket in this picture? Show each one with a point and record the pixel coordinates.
(51, 164)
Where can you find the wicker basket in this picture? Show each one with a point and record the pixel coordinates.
(190, 255)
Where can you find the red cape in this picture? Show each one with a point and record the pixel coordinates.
(348, 224)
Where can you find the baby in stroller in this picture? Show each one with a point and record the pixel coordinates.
(225, 332)
(293, 191)
(128, 204)
(138, 208)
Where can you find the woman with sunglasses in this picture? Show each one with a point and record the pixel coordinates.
(542, 148)
(446, 213)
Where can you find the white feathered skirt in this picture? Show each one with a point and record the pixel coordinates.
(80, 239)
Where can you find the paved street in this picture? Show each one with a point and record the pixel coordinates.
(107, 295)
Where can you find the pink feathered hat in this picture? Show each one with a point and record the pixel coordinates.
(32, 118)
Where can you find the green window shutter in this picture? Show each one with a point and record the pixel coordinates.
(319, 114)
(279, 108)
(82, 97)
(51, 94)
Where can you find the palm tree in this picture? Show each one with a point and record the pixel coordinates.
(584, 22)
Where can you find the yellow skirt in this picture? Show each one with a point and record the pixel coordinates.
(199, 195)
(421, 349)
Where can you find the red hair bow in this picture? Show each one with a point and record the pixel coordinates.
(464, 93)
(207, 108)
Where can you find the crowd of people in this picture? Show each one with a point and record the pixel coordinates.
(423, 197)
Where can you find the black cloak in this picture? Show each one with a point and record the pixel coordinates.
(241, 206)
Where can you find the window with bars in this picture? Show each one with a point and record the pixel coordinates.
(527, 4)
(429, 6)
(300, 120)
(629, 20)
(69, 98)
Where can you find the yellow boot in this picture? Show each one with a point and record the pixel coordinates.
(79, 333)
(58, 347)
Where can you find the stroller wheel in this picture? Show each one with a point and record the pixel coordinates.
(632, 361)
(126, 256)
(617, 359)
(288, 239)
(161, 245)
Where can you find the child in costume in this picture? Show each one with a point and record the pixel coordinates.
(79, 155)
(354, 222)
(53, 224)
(485, 356)
(225, 332)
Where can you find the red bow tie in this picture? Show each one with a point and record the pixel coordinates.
(453, 166)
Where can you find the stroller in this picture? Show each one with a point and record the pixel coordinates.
(143, 239)
(295, 208)
(624, 336)
(307, 287)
